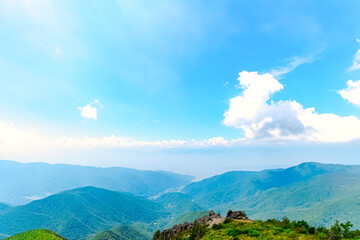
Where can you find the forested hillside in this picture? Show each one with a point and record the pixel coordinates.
(78, 213)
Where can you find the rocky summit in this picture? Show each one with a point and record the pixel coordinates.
(206, 221)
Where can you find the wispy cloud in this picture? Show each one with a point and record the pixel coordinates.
(294, 63)
(356, 59)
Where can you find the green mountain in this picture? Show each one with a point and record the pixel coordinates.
(78, 213)
(320, 200)
(21, 183)
(38, 234)
(318, 193)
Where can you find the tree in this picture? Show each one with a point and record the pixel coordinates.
(157, 235)
(346, 227)
(336, 232)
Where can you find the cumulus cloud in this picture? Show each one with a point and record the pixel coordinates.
(356, 60)
(260, 119)
(352, 92)
(89, 111)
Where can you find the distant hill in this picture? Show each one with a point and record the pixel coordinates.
(21, 183)
(38, 234)
(80, 212)
(318, 193)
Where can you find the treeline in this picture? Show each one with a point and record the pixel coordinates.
(335, 232)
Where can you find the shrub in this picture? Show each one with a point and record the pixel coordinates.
(217, 226)
(228, 221)
(253, 233)
(198, 231)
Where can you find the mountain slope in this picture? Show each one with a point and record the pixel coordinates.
(178, 203)
(320, 200)
(318, 193)
(22, 183)
(77, 213)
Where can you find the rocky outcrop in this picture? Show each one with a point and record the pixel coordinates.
(207, 220)
(237, 215)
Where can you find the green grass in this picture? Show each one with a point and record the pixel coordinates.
(38, 234)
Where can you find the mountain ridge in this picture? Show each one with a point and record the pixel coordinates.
(20, 183)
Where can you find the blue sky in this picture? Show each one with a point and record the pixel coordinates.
(159, 71)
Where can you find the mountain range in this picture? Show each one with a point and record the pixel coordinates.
(21, 183)
(317, 193)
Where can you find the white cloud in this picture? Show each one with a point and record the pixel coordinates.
(35, 197)
(89, 111)
(123, 142)
(356, 60)
(260, 119)
(352, 92)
